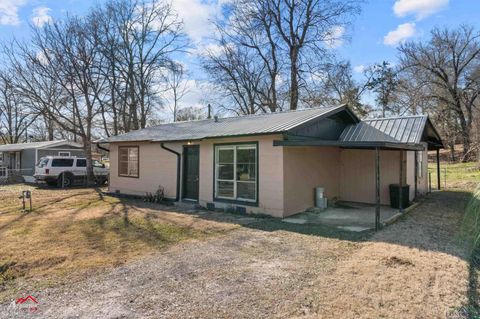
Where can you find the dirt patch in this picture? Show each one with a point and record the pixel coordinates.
(396, 261)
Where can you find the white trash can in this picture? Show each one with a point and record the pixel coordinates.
(320, 200)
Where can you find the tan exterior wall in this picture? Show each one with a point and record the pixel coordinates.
(287, 175)
(270, 180)
(306, 168)
(422, 178)
(157, 167)
(357, 183)
(358, 175)
(411, 173)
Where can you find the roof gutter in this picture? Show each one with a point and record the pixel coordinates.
(177, 194)
(353, 145)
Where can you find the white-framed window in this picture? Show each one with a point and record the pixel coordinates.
(236, 172)
(419, 164)
(128, 161)
(63, 153)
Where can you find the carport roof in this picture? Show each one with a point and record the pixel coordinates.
(38, 145)
(405, 132)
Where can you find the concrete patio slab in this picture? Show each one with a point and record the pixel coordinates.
(346, 216)
(295, 220)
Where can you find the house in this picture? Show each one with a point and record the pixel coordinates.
(22, 157)
(271, 163)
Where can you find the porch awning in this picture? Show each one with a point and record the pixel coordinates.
(354, 145)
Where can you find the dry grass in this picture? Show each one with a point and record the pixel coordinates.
(72, 232)
(418, 267)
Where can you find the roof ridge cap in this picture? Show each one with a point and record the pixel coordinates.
(396, 117)
(250, 115)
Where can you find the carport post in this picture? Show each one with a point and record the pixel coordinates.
(438, 168)
(377, 189)
(400, 184)
(416, 174)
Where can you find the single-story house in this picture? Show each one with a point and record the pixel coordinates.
(23, 157)
(271, 163)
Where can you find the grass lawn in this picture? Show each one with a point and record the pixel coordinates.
(73, 232)
(464, 176)
(127, 258)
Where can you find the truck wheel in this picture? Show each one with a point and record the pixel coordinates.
(65, 181)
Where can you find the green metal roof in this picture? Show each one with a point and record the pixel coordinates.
(269, 123)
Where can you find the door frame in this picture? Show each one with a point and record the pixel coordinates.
(184, 176)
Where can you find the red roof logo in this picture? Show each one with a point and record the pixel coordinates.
(23, 300)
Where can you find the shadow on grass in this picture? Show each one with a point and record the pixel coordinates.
(471, 232)
(473, 308)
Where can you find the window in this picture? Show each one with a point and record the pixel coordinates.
(81, 162)
(419, 164)
(128, 161)
(63, 153)
(236, 172)
(62, 162)
(43, 162)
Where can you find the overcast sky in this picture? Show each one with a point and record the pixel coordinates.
(376, 33)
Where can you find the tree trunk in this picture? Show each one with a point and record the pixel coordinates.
(87, 147)
(452, 152)
(293, 78)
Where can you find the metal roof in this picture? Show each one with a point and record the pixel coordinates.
(226, 127)
(405, 130)
(39, 145)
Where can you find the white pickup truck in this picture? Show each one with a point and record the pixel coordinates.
(65, 171)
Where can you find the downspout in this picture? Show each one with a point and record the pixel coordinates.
(177, 195)
(103, 148)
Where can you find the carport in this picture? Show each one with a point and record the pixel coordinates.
(395, 135)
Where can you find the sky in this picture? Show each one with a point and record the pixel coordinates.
(373, 36)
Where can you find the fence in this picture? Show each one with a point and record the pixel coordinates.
(8, 175)
(3, 174)
(455, 175)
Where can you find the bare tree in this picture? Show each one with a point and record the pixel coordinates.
(449, 61)
(306, 28)
(191, 113)
(336, 85)
(40, 91)
(176, 85)
(69, 50)
(137, 39)
(15, 115)
(238, 75)
(284, 42)
(251, 25)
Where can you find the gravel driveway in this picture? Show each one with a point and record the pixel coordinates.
(412, 269)
(245, 274)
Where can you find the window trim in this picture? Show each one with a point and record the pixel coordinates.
(63, 152)
(138, 161)
(236, 201)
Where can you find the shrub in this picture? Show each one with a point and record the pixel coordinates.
(157, 197)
